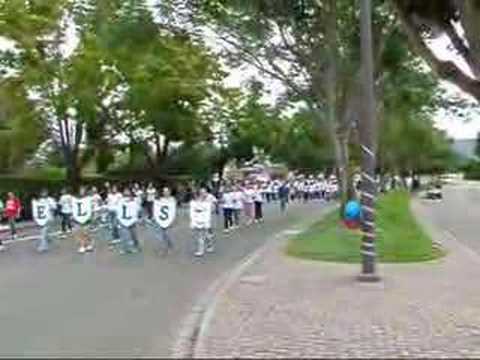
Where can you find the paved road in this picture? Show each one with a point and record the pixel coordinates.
(104, 304)
(459, 213)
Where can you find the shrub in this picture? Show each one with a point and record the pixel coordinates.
(472, 170)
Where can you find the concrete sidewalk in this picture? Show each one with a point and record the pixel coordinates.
(284, 307)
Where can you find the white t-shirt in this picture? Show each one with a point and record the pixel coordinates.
(65, 202)
(228, 200)
(139, 196)
(257, 196)
(151, 193)
(97, 202)
(237, 199)
(113, 200)
(213, 200)
(248, 196)
(200, 214)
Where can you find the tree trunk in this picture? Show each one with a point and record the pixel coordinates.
(341, 162)
(368, 145)
(158, 150)
(73, 175)
(166, 147)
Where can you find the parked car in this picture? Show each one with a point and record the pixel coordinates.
(434, 192)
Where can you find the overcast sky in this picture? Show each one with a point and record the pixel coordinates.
(456, 127)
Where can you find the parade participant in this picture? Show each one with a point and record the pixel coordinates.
(12, 211)
(164, 212)
(237, 206)
(139, 195)
(227, 205)
(200, 220)
(151, 194)
(97, 207)
(82, 215)
(274, 192)
(65, 203)
(113, 198)
(105, 190)
(43, 214)
(128, 212)
(248, 203)
(210, 246)
(258, 204)
(283, 194)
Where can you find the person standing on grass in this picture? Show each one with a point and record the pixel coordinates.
(258, 204)
(65, 204)
(12, 211)
(201, 220)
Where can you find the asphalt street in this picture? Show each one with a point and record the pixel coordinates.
(62, 304)
(458, 213)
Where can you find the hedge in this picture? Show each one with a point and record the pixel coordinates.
(472, 170)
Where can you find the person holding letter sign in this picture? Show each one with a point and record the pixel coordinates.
(128, 211)
(164, 213)
(82, 215)
(42, 210)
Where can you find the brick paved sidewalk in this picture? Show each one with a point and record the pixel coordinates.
(284, 307)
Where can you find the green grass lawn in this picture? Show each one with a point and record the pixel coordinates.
(400, 238)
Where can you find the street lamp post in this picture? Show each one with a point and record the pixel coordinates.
(368, 142)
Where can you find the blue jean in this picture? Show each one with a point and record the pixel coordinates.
(200, 237)
(127, 237)
(44, 238)
(112, 219)
(161, 234)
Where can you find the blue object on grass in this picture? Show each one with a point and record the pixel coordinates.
(353, 210)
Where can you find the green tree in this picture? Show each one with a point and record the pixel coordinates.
(477, 146)
(23, 132)
(458, 21)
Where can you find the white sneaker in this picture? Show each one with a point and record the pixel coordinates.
(14, 237)
(116, 241)
(199, 253)
(210, 249)
(82, 250)
(2, 248)
(89, 248)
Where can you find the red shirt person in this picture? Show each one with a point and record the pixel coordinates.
(12, 211)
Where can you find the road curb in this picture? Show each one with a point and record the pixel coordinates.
(195, 327)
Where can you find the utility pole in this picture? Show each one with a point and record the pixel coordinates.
(368, 137)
